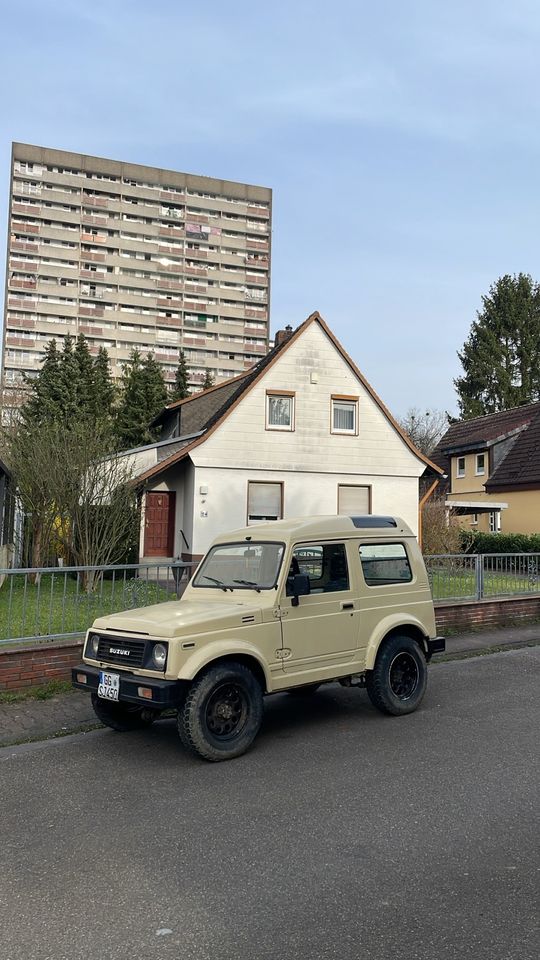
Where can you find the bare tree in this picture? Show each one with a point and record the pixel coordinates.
(425, 428)
(75, 494)
(441, 532)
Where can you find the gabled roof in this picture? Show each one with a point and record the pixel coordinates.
(224, 397)
(519, 427)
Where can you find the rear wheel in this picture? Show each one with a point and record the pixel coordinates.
(397, 683)
(120, 716)
(222, 712)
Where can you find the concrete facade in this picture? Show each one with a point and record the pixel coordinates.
(134, 256)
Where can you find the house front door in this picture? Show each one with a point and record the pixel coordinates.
(159, 524)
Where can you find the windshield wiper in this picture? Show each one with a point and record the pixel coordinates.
(248, 583)
(218, 582)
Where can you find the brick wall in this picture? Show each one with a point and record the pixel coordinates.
(40, 664)
(475, 614)
(53, 661)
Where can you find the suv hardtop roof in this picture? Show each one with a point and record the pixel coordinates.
(324, 527)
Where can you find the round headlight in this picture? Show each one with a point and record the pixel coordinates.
(159, 655)
(93, 644)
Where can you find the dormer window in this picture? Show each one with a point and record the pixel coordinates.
(480, 464)
(460, 471)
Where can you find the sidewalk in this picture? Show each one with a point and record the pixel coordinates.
(72, 712)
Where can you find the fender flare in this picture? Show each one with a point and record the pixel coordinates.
(410, 626)
(217, 651)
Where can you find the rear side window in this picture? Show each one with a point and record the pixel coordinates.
(385, 563)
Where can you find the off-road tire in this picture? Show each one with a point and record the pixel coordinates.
(306, 691)
(119, 716)
(222, 712)
(397, 683)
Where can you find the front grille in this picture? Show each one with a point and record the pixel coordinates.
(133, 658)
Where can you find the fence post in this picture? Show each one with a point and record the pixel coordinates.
(479, 575)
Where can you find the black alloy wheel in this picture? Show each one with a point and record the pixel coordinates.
(222, 712)
(397, 683)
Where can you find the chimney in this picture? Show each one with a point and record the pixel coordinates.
(283, 335)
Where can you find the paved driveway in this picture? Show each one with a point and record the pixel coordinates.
(342, 834)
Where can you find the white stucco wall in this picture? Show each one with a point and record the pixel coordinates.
(305, 494)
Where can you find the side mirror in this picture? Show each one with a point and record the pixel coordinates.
(301, 587)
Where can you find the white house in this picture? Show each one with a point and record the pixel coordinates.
(300, 433)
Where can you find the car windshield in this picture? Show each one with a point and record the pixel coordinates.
(241, 566)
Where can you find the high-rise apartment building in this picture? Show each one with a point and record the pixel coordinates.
(134, 256)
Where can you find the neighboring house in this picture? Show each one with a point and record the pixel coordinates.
(300, 433)
(493, 469)
(6, 515)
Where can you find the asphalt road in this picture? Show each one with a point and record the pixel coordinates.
(342, 834)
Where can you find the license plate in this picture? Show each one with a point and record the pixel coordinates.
(109, 685)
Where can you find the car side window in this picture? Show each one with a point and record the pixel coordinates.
(324, 563)
(384, 563)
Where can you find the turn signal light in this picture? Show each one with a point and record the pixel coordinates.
(82, 678)
(145, 692)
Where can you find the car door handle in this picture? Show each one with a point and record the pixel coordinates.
(347, 606)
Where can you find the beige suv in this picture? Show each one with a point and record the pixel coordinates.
(282, 606)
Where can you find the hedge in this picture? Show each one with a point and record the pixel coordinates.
(501, 542)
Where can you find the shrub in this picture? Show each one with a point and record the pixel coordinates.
(501, 542)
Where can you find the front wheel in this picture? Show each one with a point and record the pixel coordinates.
(120, 716)
(397, 683)
(222, 712)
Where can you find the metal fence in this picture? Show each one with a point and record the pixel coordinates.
(47, 603)
(483, 576)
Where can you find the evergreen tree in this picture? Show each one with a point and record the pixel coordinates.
(43, 401)
(209, 380)
(143, 395)
(501, 357)
(181, 389)
(103, 393)
(85, 378)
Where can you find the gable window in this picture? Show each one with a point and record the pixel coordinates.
(279, 410)
(480, 464)
(344, 415)
(265, 501)
(460, 472)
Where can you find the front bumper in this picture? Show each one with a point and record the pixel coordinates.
(436, 645)
(166, 694)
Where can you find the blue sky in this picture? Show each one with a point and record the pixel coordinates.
(401, 139)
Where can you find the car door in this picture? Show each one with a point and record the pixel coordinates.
(320, 633)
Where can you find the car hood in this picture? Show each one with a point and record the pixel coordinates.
(181, 618)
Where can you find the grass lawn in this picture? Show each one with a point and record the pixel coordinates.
(59, 605)
(461, 585)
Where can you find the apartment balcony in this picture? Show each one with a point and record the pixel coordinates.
(60, 309)
(88, 311)
(258, 212)
(22, 226)
(176, 231)
(168, 284)
(27, 209)
(12, 340)
(94, 219)
(22, 323)
(92, 257)
(62, 179)
(169, 322)
(173, 267)
(175, 304)
(21, 303)
(23, 284)
(257, 245)
(235, 312)
(90, 331)
(91, 201)
(196, 271)
(191, 287)
(24, 245)
(168, 195)
(170, 249)
(135, 245)
(261, 281)
(256, 314)
(197, 218)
